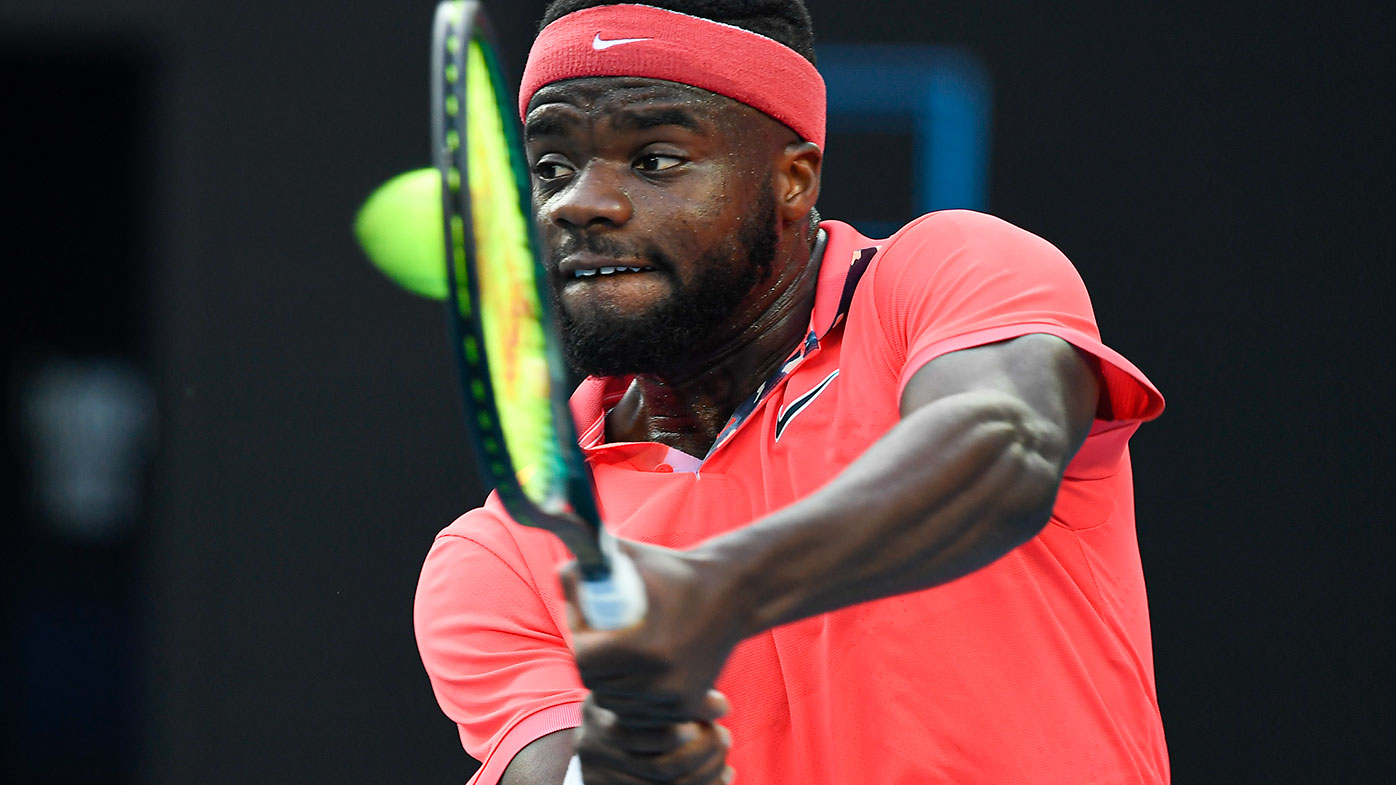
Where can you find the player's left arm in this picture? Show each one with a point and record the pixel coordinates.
(970, 472)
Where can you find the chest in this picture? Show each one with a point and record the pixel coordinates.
(814, 422)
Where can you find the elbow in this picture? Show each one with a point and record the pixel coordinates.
(1031, 454)
(1033, 495)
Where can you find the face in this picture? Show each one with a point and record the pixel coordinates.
(658, 220)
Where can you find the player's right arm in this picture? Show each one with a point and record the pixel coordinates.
(492, 645)
(543, 761)
(491, 629)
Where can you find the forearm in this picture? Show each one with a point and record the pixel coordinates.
(544, 761)
(954, 486)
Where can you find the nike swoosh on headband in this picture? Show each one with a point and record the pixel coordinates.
(598, 43)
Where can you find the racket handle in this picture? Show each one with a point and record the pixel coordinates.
(616, 601)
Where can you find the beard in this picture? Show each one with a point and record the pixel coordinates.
(664, 338)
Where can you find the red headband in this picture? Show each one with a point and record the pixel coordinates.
(639, 40)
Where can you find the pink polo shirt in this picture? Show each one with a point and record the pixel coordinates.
(1036, 669)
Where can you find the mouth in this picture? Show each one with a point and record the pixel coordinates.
(592, 266)
(620, 283)
(603, 271)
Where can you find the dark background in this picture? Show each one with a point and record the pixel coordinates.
(187, 173)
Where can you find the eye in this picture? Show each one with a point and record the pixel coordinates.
(550, 169)
(655, 162)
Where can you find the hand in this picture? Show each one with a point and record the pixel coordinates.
(613, 752)
(660, 671)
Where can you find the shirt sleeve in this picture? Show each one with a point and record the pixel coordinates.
(957, 279)
(493, 644)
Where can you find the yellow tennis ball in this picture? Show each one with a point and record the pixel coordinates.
(400, 229)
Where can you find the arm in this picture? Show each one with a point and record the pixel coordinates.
(501, 668)
(542, 762)
(969, 473)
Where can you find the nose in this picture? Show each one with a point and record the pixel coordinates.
(594, 198)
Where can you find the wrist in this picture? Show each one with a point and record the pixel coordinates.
(733, 575)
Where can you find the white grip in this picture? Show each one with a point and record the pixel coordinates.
(574, 772)
(615, 602)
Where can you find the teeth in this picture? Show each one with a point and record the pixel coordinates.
(606, 271)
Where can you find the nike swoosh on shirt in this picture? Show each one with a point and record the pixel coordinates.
(598, 43)
(799, 404)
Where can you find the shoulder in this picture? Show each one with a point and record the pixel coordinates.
(957, 279)
(492, 632)
(488, 587)
(488, 526)
(950, 240)
(958, 271)
(485, 555)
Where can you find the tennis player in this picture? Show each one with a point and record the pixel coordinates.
(878, 490)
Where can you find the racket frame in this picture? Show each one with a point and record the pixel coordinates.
(610, 591)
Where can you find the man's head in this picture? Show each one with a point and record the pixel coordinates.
(673, 215)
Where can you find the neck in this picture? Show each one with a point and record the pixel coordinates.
(688, 408)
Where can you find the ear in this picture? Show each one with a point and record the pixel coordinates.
(796, 180)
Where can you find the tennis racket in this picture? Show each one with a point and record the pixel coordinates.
(515, 390)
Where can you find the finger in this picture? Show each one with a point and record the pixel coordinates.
(648, 706)
(682, 746)
(644, 735)
(567, 574)
(647, 709)
(640, 709)
(711, 771)
(634, 688)
(714, 707)
(705, 758)
(699, 760)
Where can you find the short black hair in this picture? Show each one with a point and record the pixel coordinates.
(785, 21)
